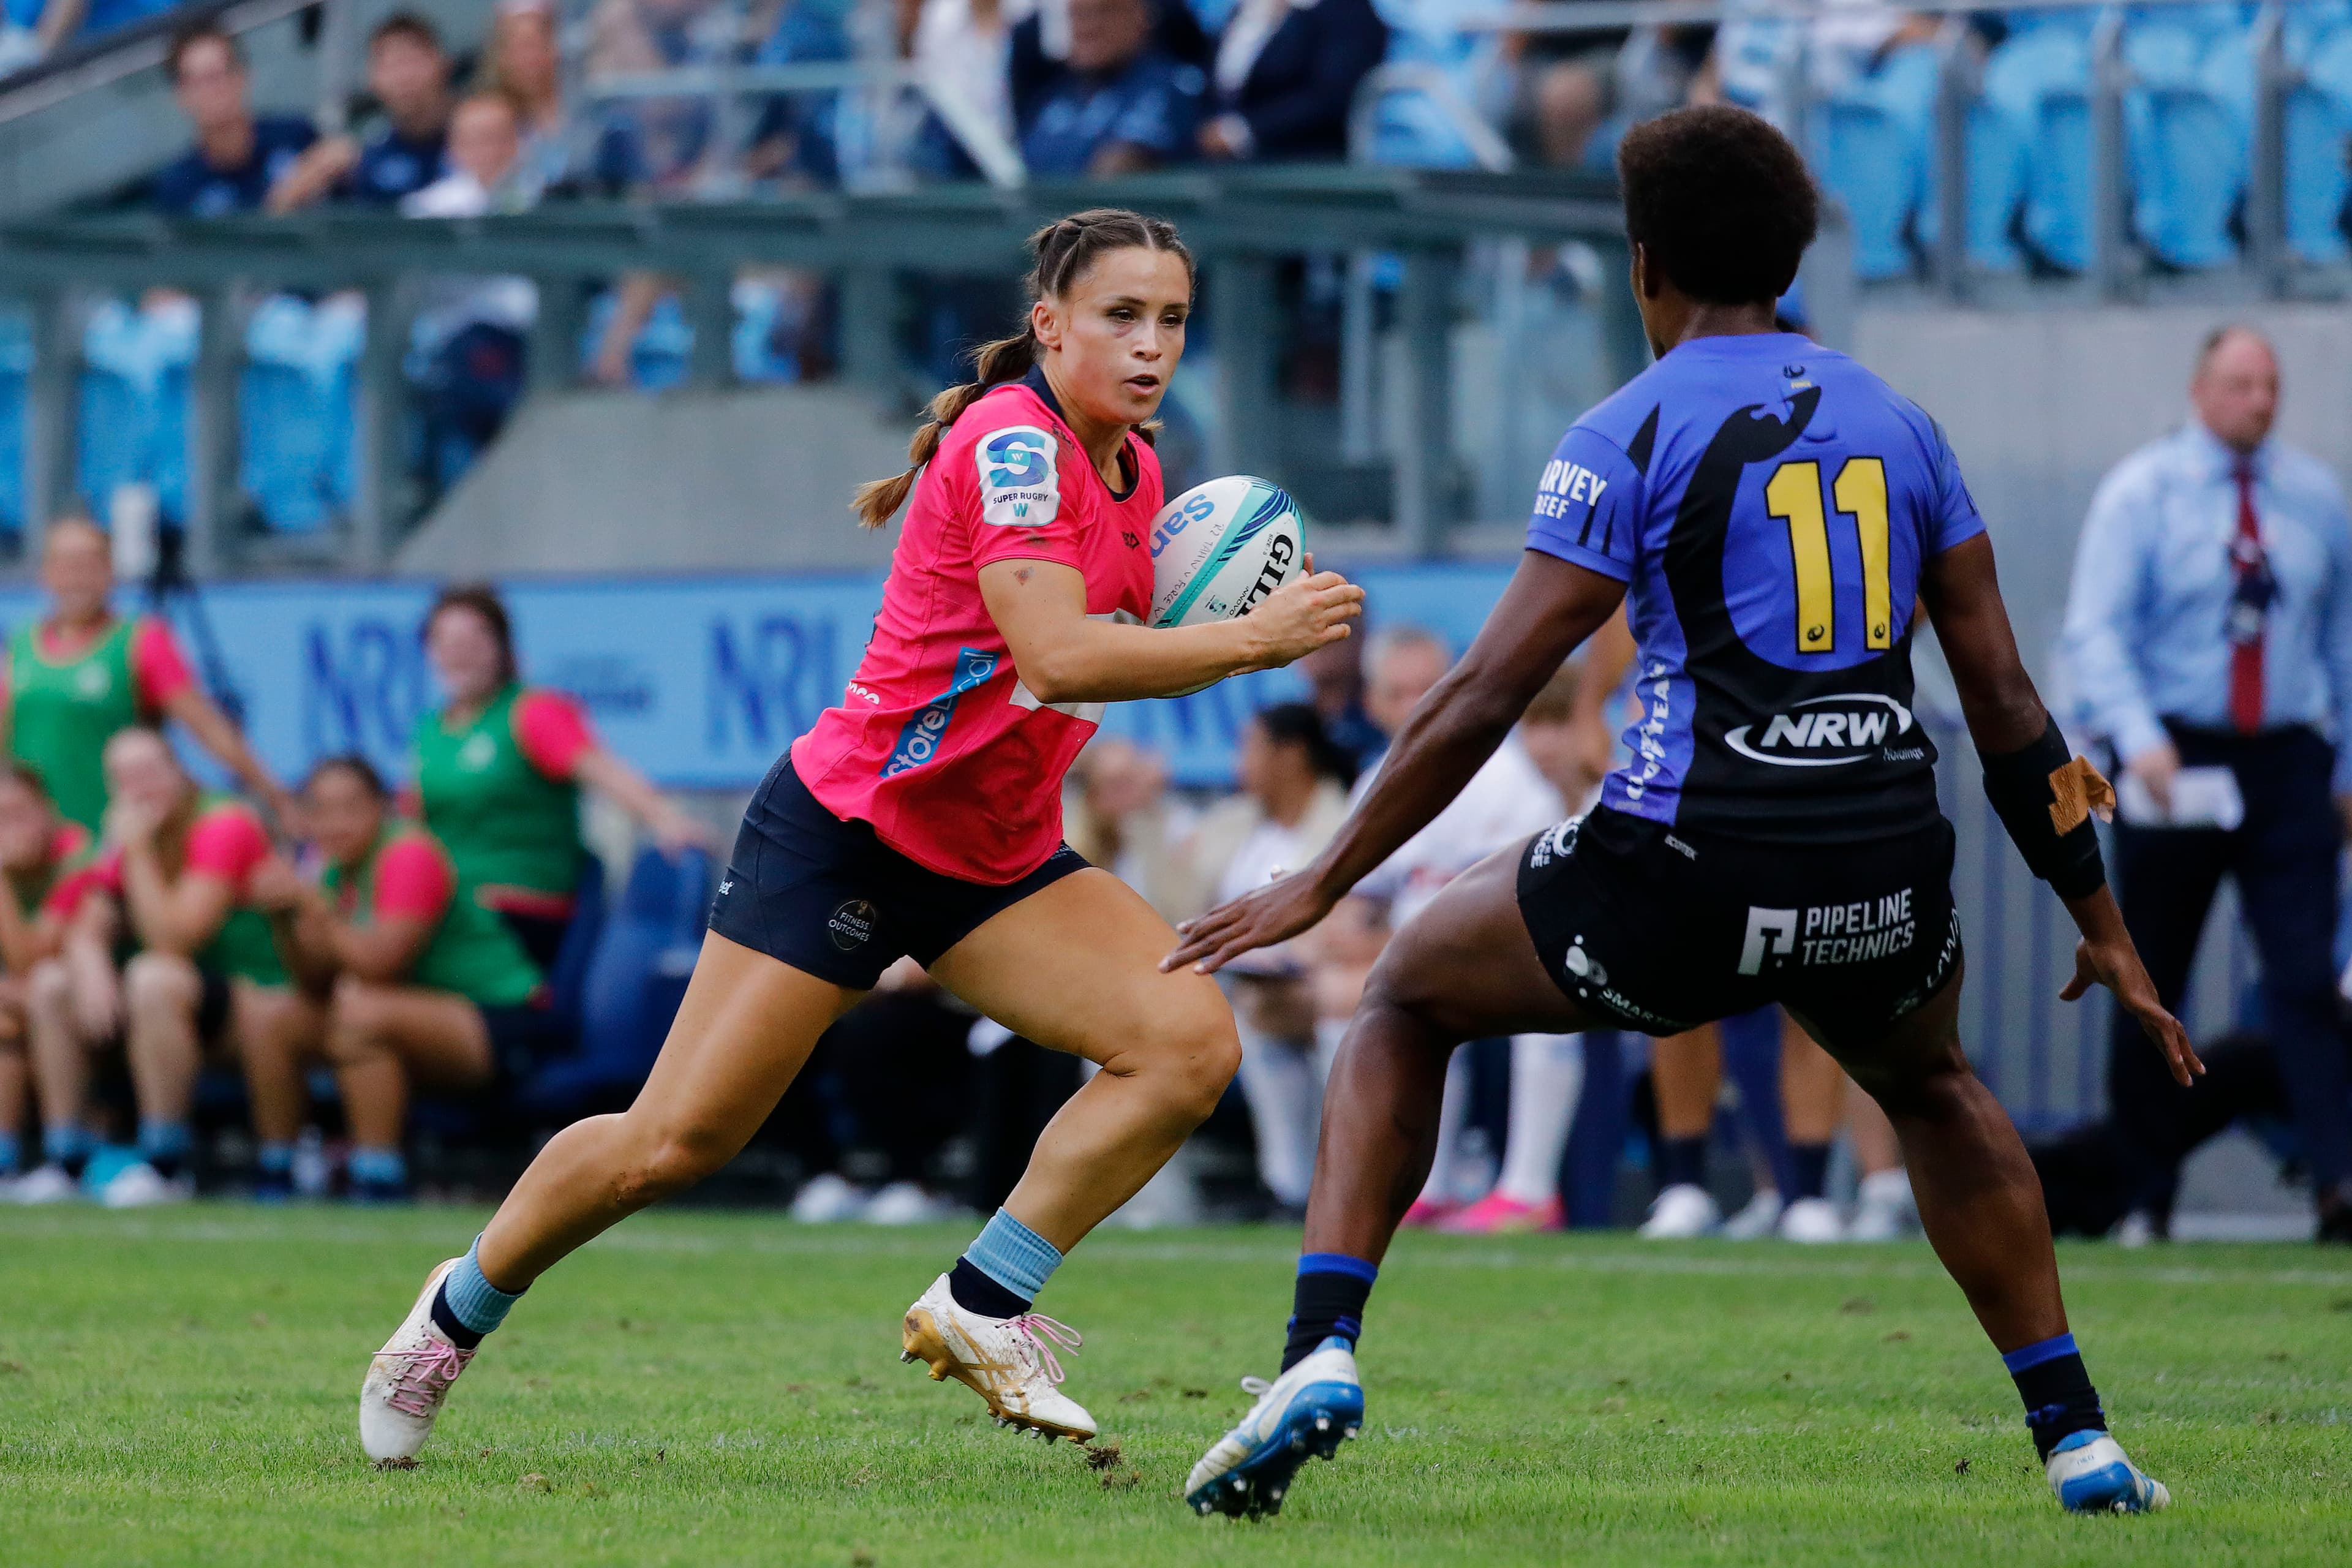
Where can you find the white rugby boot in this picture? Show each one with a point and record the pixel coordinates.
(1885, 1209)
(1681, 1212)
(408, 1381)
(1309, 1410)
(1814, 1221)
(44, 1184)
(1008, 1362)
(2091, 1474)
(143, 1186)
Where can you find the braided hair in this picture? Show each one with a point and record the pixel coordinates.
(1065, 252)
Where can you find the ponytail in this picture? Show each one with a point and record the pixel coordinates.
(1064, 251)
(1007, 359)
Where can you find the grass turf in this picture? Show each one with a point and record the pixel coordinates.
(177, 1387)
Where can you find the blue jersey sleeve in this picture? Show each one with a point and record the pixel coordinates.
(1589, 507)
(1955, 521)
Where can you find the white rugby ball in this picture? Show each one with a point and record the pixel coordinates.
(1220, 548)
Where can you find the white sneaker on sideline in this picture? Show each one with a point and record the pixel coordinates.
(1885, 1209)
(827, 1200)
(1681, 1212)
(1813, 1221)
(142, 1186)
(906, 1202)
(408, 1381)
(1009, 1361)
(1758, 1220)
(44, 1184)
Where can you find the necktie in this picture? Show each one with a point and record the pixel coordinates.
(2248, 604)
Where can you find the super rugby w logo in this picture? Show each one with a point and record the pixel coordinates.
(1017, 488)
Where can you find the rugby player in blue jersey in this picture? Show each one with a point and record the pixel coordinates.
(1772, 514)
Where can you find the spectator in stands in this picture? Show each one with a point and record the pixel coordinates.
(80, 673)
(1120, 817)
(36, 847)
(1117, 105)
(1335, 678)
(524, 64)
(498, 772)
(408, 73)
(1294, 795)
(427, 987)
(796, 140)
(1563, 90)
(666, 143)
(238, 157)
(473, 331)
(1285, 76)
(175, 881)
(2209, 632)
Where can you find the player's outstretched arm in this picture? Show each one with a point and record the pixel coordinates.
(1549, 607)
(1064, 655)
(2044, 793)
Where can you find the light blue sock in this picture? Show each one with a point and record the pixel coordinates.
(275, 1159)
(165, 1144)
(12, 1153)
(69, 1145)
(384, 1167)
(472, 1299)
(1013, 1256)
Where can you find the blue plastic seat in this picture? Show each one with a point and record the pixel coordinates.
(2040, 81)
(295, 410)
(2318, 122)
(1996, 163)
(631, 990)
(1871, 149)
(2187, 144)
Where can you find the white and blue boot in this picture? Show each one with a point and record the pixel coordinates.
(1308, 1411)
(2091, 1474)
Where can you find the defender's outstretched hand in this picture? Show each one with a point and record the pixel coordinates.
(2105, 956)
(1275, 912)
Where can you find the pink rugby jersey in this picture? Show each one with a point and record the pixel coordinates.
(937, 743)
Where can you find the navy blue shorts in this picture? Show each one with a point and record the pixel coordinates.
(832, 899)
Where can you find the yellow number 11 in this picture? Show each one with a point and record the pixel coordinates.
(1793, 495)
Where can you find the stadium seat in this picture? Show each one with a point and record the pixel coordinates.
(2040, 80)
(631, 990)
(2187, 146)
(1996, 163)
(295, 409)
(567, 983)
(15, 372)
(1409, 130)
(1870, 150)
(2318, 125)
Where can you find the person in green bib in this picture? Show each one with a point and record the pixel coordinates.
(498, 769)
(424, 985)
(176, 875)
(36, 847)
(80, 673)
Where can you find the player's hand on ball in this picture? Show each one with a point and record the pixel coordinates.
(1304, 614)
(1275, 912)
(2116, 966)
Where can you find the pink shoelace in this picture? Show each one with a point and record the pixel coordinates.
(1042, 1334)
(433, 1366)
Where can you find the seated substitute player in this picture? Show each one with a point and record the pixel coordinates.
(36, 847)
(922, 817)
(427, 984)
(1771, 512)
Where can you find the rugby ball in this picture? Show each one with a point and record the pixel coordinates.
(1220, 548)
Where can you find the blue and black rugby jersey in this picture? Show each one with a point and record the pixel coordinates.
(1770, 505)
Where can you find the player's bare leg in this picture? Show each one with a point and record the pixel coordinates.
(1981, 1204)
(745, 1028)
(1464, 968)
(1686, 1073)
(1075, 967)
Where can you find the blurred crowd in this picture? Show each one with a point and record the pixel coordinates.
(324, 950)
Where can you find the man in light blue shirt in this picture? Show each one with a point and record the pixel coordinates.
(2210, 626)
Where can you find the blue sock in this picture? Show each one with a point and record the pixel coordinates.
(275, 1159)
(164, 1145)
(467, 1305)
(1328, 1299)
(1810, 1162)
(1009, 1256)
(2056, 1388)
(12, 1153)
(67, 1147)
(378, 1167)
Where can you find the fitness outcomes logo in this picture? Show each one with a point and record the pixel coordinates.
(918, 743)
(852, 925)
(1826, 731)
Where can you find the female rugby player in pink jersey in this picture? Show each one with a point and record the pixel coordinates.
(923, 816)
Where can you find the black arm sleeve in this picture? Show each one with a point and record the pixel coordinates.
(2046, 797)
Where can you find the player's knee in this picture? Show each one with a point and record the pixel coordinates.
(49, 987)
(1191, 1041)
(160, 982)
(666, 1160)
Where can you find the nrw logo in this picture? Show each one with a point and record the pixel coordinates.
(1825, 731)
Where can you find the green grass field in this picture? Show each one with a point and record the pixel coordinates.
(178, 1388)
